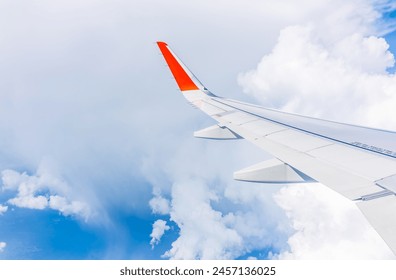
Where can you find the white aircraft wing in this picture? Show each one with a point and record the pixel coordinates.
(357, 162)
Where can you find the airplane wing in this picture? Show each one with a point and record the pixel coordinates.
(357, 162)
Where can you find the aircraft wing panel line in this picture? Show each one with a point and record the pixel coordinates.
(297, 140)
(211, 109)
(392, 155)
(263, 128)
(254, 107)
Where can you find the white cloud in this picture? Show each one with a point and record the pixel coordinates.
(203, 231)
(26, 186)
(67, 207)
(30, 201)
(327, 226)
(217, 223)
(2, 246)
(11, 179)
(3, 209)
(30, 189)
(364, 54)
(159, 228)
(302, 78)
(159, 205)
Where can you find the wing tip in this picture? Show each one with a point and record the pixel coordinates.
(183, 77)
(161, 43)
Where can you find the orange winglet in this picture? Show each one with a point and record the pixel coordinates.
(183, 80)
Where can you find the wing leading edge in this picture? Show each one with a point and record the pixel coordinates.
(357, 162)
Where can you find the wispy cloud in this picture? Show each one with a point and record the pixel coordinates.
(3, 209)
(159, 228)
(2, 246)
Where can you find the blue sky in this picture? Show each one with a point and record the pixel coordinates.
(96, 142)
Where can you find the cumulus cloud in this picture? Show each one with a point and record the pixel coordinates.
(39, 191)
(314, 77)
(327, 226)
(3, 209)
(250, 221)
(159, 228)
(2, 246)
(204, 233)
